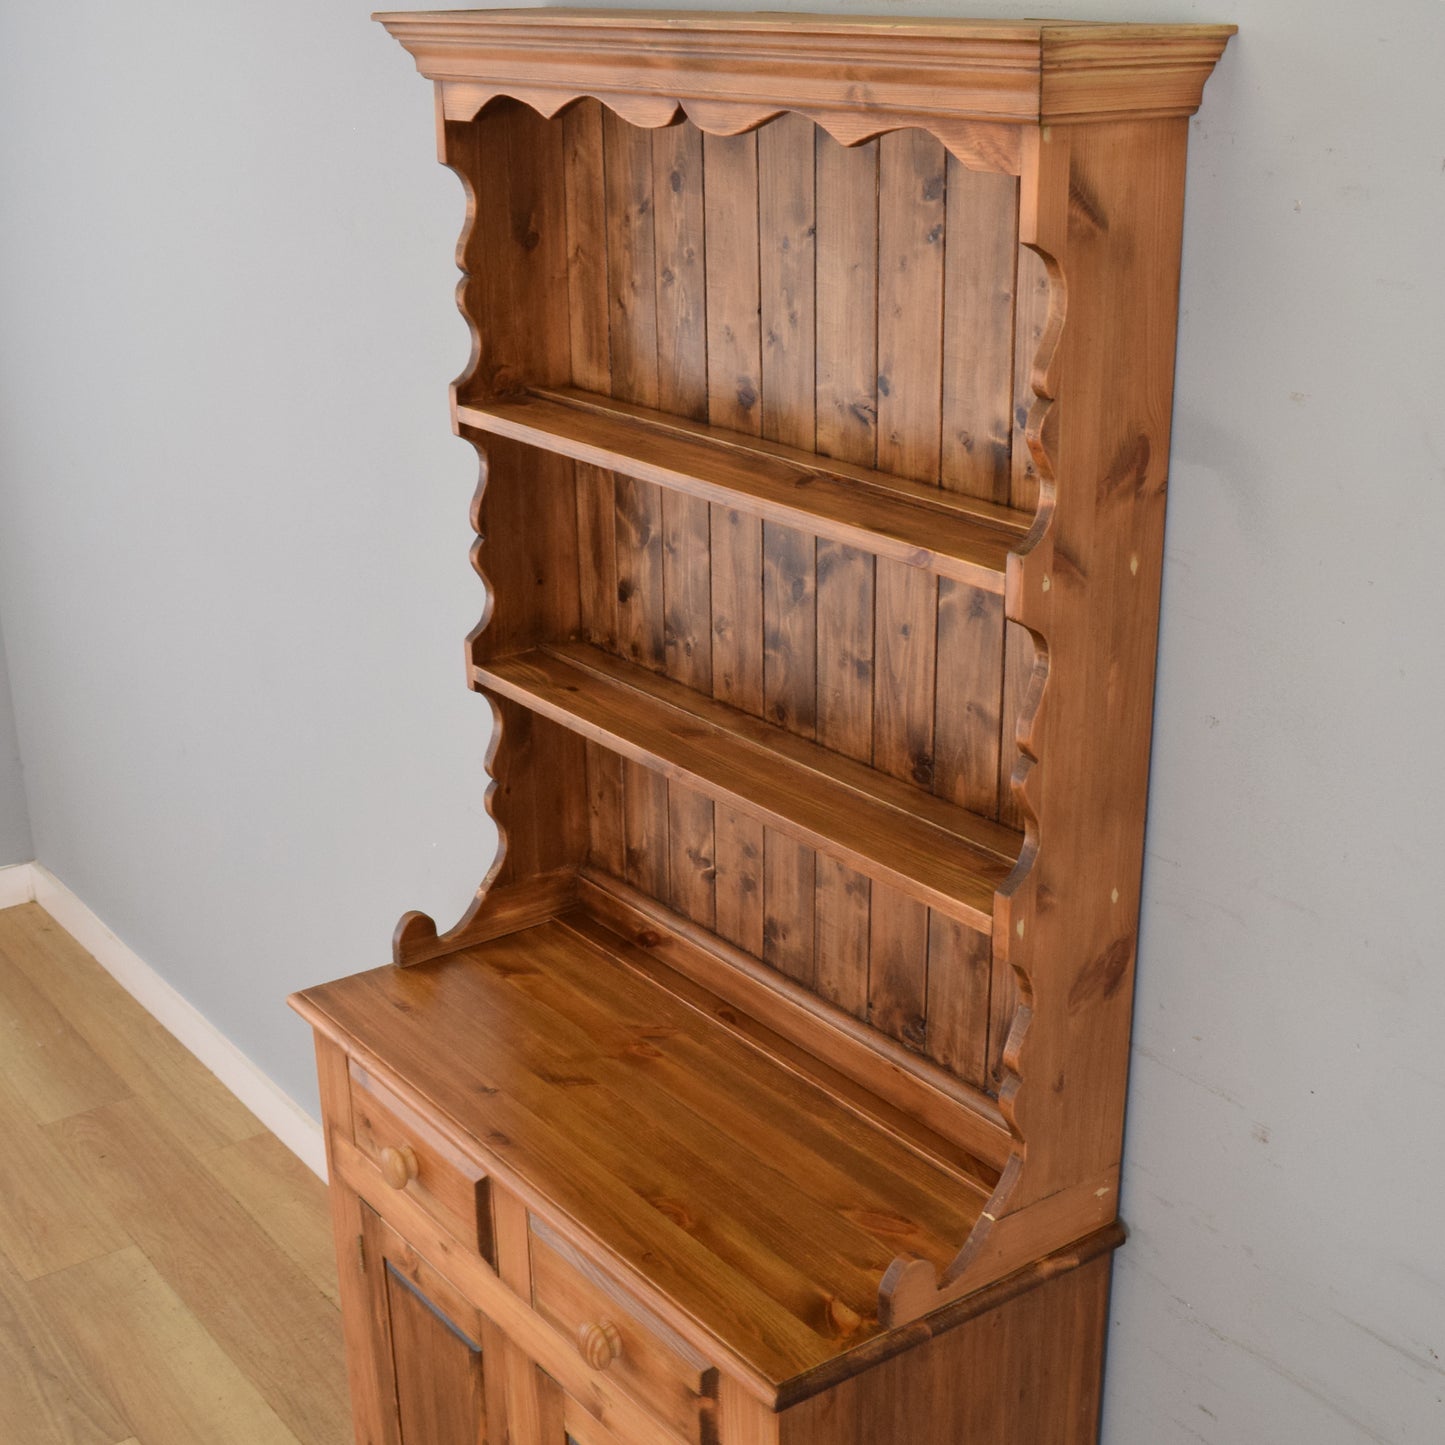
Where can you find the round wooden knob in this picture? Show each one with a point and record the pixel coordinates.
(600, 1344)
(398, 1166)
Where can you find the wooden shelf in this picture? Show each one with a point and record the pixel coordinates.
(956, 537)
(928, 848)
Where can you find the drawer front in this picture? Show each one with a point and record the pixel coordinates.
(615, 1334)
(409, 1155)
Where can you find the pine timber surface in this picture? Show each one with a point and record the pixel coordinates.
(889, 516)
(953, 860)
(759, 1204)
(821, 384)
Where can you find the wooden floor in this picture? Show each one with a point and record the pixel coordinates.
(166, 1272)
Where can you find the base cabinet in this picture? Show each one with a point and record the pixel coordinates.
(451, 1345)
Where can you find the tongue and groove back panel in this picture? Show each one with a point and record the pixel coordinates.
(870, 304)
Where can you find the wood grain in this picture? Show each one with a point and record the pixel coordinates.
(888, 515)
(211, 1253)
(794, 787)
(570, 1080)
(152, 1380)
(823, 386)
(101, 1338)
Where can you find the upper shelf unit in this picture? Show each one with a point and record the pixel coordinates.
(958, 537)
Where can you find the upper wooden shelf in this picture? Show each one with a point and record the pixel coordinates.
(928, 847)
(954, 536)
(731, 1188)
(865, 74)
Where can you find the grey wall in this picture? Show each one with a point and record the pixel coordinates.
(14, 816)
(233, 572)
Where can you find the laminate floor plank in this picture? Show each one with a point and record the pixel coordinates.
(286, 1199)
(279, 1329)
(47, 1064)
(166, 1268)
(47, 1395)
(170, 1378)
(49, 1219)
(196, 1106)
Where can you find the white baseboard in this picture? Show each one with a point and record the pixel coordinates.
(275, 1108)
(17, 885)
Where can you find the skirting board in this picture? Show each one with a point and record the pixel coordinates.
(275, 1108)
(17, 885)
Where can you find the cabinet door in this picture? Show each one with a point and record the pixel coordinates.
(438, 1357)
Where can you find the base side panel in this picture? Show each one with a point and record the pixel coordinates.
(1027, 1373)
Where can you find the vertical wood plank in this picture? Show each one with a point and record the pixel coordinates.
(969, 696)
(980, 280)
(786, 253)
(846, 413)
(515, 254)
(681, 282)
(906, 611)
(790, 630)
(898, 966)
(912, 187)
(691, 871)
(733, 336)
(790, 698)
(687, 586)
(845, 592)
(734, 366)
(846, 299)
(734, 356)
(632, 325)
(841, 937)
(597, 554)
(604, 810)
(789, 871)
(645, 828)
(737, 609)
(631, 263)
(677, 188)
(787, 273)
(640, 601)
(687, 590)
(739, 861)
(980, 263)
(959, 963)
(845, 724)
(587, 283)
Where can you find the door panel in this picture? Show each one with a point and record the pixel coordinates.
(440, 1356)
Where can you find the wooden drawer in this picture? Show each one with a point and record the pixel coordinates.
(615, 1334)
(410, 1155)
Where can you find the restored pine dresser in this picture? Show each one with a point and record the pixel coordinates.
(771, 1089)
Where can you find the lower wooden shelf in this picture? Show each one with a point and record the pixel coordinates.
(929, 848)
(747, 1205)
